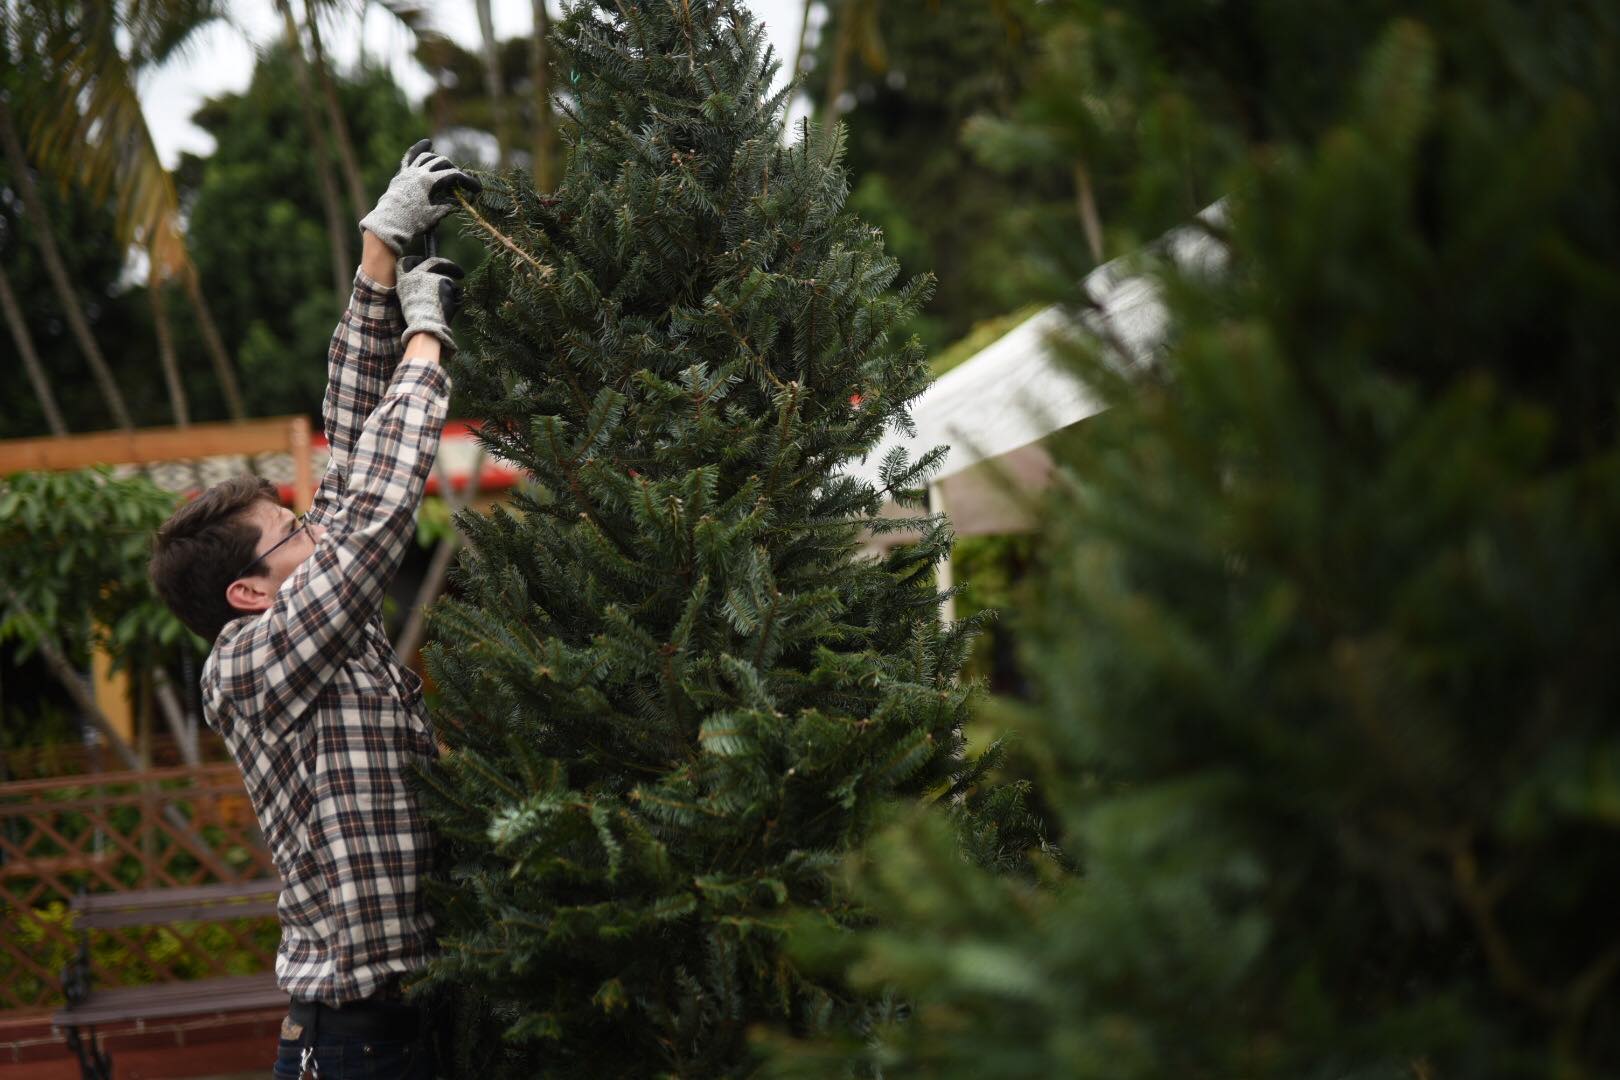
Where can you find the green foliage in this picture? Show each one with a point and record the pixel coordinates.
(980, 337)
(110, 825)
(1325, 640)
(46, 50)
(83, 230)
(257, 230)
(73, 552)
(673, 695)
(41, 728)
(185, 950)
(925, 71)
(994, 574)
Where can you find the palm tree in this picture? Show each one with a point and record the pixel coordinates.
(333, 140)
(24, 341)
(494, 79)
(88, 126)
(56, 269)
(337, 233)
(856, 24)
(171, 367)
(348, 160)
(804, 38)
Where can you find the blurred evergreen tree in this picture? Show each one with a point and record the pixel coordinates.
(1327, 632)
(672, 694)
(913, 78)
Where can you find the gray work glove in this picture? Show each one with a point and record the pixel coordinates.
(429, 292)
(418, 197)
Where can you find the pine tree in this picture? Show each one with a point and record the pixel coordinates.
(1330, 610)
(672, 693)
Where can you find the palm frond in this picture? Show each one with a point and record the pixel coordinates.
(88, 127)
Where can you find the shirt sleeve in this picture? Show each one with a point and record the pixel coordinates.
(364, 352)
(272, 667)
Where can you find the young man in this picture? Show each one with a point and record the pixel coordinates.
(319, 713)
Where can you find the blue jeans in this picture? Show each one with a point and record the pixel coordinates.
(348, 1057)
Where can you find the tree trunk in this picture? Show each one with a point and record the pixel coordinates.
(185, 733)
(857, 29)
(212, 342)
(1085, 201)
(70, 680)
(34, 206)
(347, 160)
(165, 341)
(843, 51)
(545, 121)
(336, 230)
(804, 36)
(30, 358)
(494, 84)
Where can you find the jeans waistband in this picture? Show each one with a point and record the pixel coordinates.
(369, 1019)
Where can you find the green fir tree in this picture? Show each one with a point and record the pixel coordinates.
(1329, 617)
(674, 695)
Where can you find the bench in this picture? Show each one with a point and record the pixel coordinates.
(88, 1007)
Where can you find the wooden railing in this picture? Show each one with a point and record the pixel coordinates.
(277, 433)
(69, 763)
(164, 828)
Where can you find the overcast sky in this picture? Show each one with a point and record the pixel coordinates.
(221, 57)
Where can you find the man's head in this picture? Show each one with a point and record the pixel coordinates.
(225, 553)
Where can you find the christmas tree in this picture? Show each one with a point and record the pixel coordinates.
(1330, 612)
(673, 694)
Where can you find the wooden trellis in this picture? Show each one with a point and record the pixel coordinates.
(166, 828)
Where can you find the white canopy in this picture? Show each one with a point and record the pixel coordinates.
(994, 409)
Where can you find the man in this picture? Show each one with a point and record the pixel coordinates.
(324, 721)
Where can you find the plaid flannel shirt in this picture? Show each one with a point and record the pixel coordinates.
(319, 713)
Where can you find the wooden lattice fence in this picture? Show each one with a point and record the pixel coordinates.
(165, 828)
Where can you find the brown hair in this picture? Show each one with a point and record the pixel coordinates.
(201, 549)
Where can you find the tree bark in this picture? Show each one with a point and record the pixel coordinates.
(857, 28)
(185, 733)
(212, 342)
(159, 225)
(494, 84)
(336, 230)
(804, 35)
(347, 159)
(165, 341)
(843, 50)
(30, 358)
(545, 121)
(1085, 201)
(70, 680)
(34, 206)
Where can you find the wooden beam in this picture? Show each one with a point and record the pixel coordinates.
(147, 445)
(303, 464)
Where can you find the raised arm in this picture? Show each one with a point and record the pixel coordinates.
(361, 359)
(271, 668)
(365, 346)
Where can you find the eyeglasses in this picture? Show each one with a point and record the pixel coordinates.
(257, 559)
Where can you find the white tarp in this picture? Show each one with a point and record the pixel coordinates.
(993, 410)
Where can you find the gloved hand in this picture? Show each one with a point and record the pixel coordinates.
(429, 292)
(418, 197)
